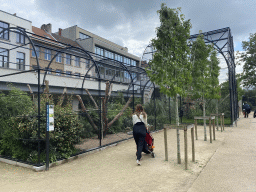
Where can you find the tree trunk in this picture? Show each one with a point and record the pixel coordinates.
(121, 112)
(177, 110)
(177, 131)
(86, 113)
(205, 136)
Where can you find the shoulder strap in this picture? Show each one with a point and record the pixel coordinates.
(140, 118)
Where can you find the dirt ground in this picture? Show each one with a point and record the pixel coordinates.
(115, 168)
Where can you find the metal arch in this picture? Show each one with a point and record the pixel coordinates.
(57, 52)
(25, 34)
(139, 68)
(145, 87)
(131, 83)
(77, 48)
(229, 58)
(38, 85)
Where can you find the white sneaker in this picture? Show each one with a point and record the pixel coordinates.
(138, 162)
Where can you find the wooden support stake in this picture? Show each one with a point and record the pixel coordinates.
(186, 148)
(220, 123)
(223, 121)
(196, 128)
(165, 144)
(210, 129)
(193, 144)
(213, 129)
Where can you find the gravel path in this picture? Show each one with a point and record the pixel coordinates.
(115, 168)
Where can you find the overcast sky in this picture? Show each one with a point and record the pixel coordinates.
(132, 23)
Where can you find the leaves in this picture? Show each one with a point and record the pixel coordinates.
(170, 67)
(248, 75)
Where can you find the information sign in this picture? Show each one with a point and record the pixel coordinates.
(50, 117)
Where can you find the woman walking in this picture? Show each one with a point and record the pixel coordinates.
(139, 131)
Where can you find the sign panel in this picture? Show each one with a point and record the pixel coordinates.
(50, 118)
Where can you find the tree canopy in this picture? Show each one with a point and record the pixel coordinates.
(248, 75)
(170, 66)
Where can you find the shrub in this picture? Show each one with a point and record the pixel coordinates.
(67, 128)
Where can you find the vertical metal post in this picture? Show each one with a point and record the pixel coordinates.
(47, 137)
(210, 128)
(133, 97)
(155, 104)
(100, 110)
(180, 111)
(170, 110)
(38, 113)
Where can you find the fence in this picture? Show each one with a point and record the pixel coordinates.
(93, 97)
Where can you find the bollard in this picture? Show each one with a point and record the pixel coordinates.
(165, 144)
(193, 144)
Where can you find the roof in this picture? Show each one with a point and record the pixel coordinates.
(40, 32)
(65, 40)
(14, 15)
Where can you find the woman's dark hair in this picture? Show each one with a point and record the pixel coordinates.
(139, 109)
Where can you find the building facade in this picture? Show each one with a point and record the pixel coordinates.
(14, 53)
(107, 54)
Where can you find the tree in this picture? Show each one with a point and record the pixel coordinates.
(170, 67)
(201, 83)
(105, 121)
(248, 57)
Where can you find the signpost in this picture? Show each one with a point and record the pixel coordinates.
(49, 127)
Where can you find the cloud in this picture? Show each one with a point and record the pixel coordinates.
(132, 23)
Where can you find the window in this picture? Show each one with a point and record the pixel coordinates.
(77, 75)
(58, 72)
(49, 70)
(4, 35)
(133, 63)
(4, 58)
(99, 51)
(128, 61)
(20, 38)
(68, 59)
(125, 60)
(58, 58)
(47, 54)
(83, 36)
(111, 55)
(77, 62)
(68, 73)
(37, 52)
(107, 53)
(20, 61)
